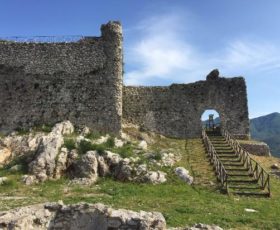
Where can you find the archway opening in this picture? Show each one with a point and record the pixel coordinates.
(210, 120)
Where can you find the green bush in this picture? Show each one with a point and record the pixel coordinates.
(69, 143)
(22, 131)
(125, 151)
(110, 143)
(93, 135)
(157, 156)
(85, 146)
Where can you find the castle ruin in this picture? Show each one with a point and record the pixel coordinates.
(45, 83)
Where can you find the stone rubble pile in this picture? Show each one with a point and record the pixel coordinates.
(47, 158)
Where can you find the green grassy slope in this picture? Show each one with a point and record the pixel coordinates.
(181, 204)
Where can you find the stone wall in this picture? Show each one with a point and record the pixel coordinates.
(257, 148)
(44, 83)
(176, 110)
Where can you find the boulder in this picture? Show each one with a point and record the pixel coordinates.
(154, 177)
(123, 172)
(44, 164)
(5, 155)
(101, 140)
(85, 131)
(184, 175)
(3, 179)
(80, 216)
(87, 166)
(29, 179)
(143, 145)
(119, 143)
(275, 166)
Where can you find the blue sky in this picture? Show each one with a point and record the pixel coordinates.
(168, 41)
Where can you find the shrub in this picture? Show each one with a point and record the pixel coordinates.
(93, 135)
(69, 143)
(85, 146)
(110, 143)
(125, 151)
(157, 156)
(22, 131)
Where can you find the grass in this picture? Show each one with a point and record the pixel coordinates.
(180, 204)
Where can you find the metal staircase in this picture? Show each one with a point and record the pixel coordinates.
(238, 173)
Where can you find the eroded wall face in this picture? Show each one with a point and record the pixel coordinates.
(44, 83)
(176, 110)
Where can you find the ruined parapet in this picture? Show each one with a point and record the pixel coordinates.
(176, 110)
(257, 148)
(44, 83)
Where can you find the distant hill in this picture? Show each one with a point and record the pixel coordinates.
(267, 129)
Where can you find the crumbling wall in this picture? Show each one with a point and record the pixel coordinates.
(176, 110)
(44, 83)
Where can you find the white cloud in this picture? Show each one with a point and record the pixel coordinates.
(163, 52)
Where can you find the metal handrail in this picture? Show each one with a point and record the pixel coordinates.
(219, 168)
(254, 167)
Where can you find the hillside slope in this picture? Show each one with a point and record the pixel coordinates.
(267, 129)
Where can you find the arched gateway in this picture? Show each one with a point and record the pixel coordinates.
(176, 110)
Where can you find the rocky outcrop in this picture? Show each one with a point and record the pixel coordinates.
(87, 166)
(44, 164)
(5, 155)
(80, 216)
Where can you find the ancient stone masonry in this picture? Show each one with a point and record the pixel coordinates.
(44, 83)
(176, 110)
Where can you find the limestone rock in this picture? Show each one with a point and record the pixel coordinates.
(63, 128)
(87, 166)
(141, 169)
(112, 159)
(80, 216)
(275, 166)
(5, 155)
(61, 163)
(43, 166)
(101, 140)
(103, 168)
(29, 179)
(213, 75)
(26, 218)
(72, 157)
(119, 143)
(2, 180)
(85, 131)
(205, 227)
(143, 145)
(184, 175)
(154, 177)
(123, 172)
